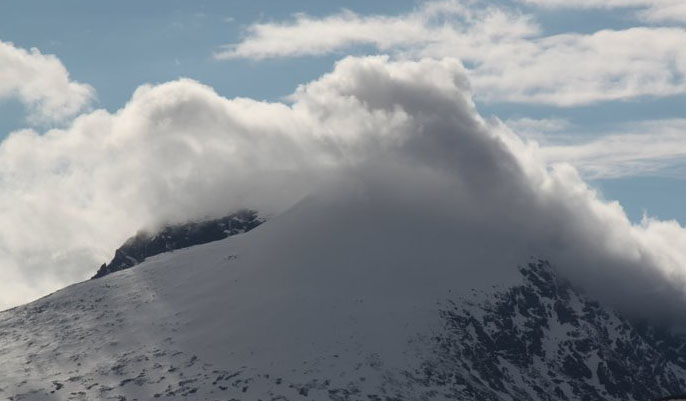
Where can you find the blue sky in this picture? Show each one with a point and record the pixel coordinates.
(115, 47)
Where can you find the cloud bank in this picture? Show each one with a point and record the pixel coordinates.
(509, 58)
(41, 83)
(179, 150)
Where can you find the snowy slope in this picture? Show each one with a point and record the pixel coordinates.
(342, 297)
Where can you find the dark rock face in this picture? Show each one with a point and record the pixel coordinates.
(544, 340)
(144, 245)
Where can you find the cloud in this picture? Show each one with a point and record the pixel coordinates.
(537, 129)
(432, 23)
(509, 59)
(650, 10)
(648, 147)
(42, 83)
(406, 132)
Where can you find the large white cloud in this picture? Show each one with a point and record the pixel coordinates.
(179, 150)
(508, 56)
(42, 83)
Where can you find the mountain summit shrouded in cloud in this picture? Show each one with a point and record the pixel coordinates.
(420, 224)
(400, 270)
(179, 151)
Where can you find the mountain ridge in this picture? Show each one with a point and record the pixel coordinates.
(178, 236)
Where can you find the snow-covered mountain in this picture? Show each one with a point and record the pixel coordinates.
(365, 303)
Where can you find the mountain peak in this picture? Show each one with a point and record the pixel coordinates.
(171, 237)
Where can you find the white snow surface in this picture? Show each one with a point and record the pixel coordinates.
(341, 290)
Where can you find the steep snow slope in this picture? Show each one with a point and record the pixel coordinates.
(365, 295)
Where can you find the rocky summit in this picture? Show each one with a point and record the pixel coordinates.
(178, 236)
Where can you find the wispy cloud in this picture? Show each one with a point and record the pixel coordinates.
(537, 129)
(649, 147)
(507, 56)
(650, 10)
(42, 83)
(432, 24)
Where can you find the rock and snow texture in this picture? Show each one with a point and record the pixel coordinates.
(543, 340)
(170, 237)
(362, 305)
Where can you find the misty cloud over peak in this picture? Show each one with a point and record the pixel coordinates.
(405, 133)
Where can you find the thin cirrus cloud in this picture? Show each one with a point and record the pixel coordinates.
(41, 83)
(648, 147)
(508, 56)
(653, 147)
(650, 10)
(537, 128)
